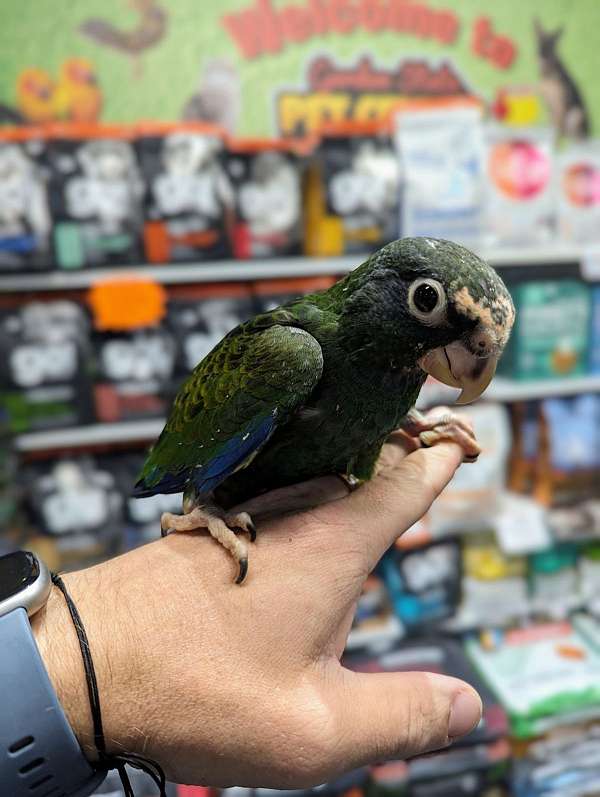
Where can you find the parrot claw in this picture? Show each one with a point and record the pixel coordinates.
(220, 527)
(243, 570)
(442, 424)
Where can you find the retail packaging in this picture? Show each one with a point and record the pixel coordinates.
(352, 191)
(520, 200)
(45, 382)
(266, 176)
(554, 582)
(594, 358)
(442, 155)
(95, 195)
(494, 586)
(579, 192)
(134, 370)
(550, 336)
(188, 201)
(563, 763)
(25, 221)
(424, 584)
(77, 504)
(201, 320)
(544, 676)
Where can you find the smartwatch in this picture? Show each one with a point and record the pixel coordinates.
(39, 753)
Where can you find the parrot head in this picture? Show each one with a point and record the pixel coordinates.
(432, 304)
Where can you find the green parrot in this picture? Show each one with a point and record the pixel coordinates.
(315, 387)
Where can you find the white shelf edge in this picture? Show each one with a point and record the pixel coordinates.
(501, 389)
(94, 434)
(236, 270)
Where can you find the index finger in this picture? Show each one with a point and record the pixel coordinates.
(385, 507)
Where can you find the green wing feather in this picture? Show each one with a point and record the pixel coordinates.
(252, 375)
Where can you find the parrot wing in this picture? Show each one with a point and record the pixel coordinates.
(231, 404)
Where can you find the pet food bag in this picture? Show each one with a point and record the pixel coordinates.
(520, 204)
(25, 222)
(579, 192)
(442, 156)
(188, 202)
(96, 196)
(352, 191)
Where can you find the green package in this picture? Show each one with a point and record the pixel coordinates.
(550, 336)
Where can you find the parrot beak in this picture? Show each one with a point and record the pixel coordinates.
(456, 365)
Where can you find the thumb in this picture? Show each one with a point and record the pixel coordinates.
(397, 715)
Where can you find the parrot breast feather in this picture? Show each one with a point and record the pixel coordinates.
(230, 405)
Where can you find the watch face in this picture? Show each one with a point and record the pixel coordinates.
(17, 571)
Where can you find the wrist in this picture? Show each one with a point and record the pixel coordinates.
(57, 642)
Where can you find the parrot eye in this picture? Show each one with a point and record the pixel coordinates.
(427, 300)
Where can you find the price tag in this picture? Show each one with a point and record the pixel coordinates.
(521, 526)
(590, 263)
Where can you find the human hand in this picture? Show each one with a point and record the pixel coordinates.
(223, 684)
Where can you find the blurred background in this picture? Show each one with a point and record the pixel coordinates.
(169, 168)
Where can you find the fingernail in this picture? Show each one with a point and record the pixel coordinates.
(465, 713)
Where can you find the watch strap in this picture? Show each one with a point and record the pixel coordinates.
(39, 753)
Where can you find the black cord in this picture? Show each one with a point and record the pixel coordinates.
(107, 761)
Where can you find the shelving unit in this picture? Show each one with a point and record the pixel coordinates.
(276, 268)
(501, 389)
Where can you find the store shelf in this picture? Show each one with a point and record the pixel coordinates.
(503, 389)
(235, 270)
(94, 434)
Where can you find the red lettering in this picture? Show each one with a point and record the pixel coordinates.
(244, 30)
(296, 23)
(255, 30)
(504, 52)
(423, 19)
(342, 16)
(372, 15)
(500, 50)
(318, 12)
(446, 27)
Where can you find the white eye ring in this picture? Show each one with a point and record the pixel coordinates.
(437, 314)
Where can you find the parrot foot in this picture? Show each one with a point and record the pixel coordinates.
(219, 527)
(443, 424)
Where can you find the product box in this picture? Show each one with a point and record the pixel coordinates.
(594, 358)
(579, 192)
(443, 170)
(563, 763)
(96, 196)
(198, 323)
(45, 382)
(266, 176)
(424, 584)
(543, 675)
(134, 371)
(352, 191)
(25, 222)
(78, 505)
(189, 199)
(520, 201)
(550, 335)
